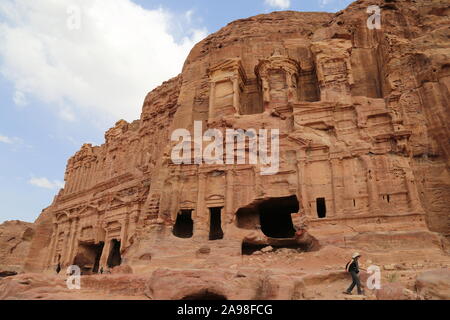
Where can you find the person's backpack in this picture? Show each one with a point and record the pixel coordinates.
(347, 266)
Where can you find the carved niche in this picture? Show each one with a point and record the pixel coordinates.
(278, 78)
(227, 83)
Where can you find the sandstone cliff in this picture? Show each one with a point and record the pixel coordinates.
(15, 240)
(364, 151)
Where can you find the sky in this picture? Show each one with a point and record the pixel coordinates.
(69, 69)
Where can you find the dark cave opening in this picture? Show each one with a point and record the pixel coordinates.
(215, 231)
(184, 226)
(99, 251)
(88, 257)
(276, 217)
(248, 248)
(205, 295)
(114, 258)
(247, 218)
(273, 216)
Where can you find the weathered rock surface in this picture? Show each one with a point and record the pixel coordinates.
(434, 284)
(393, 291)
(364, 163)
(15, 241)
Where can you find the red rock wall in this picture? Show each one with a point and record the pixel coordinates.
(363, 116)
(15, 239)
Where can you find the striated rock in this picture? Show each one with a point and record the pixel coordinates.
(351, 157)
(364, 157)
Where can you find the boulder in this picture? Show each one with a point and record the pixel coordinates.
(434, 284)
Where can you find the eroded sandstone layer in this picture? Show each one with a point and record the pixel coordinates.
(364, 156)
(15, 240)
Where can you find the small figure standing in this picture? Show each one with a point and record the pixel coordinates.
(352, 267)
(101, 270)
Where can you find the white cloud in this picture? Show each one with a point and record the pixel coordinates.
(281, 4)
(20, 99)
(188, 15)
(103, 68)
(324, 3)
(46, 184)
(6, 140)
(9, 140)
(66, 113)
(15, 143)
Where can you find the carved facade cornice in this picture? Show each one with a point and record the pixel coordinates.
(227, 69)
(275, 62)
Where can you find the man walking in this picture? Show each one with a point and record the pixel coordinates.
(353, 268)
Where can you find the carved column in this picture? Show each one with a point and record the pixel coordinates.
(413, 195)
(212, 97)
(266, 92)
(105, 252)
(134, 217)
(372, 187)
(73, 243)
(67, 245)
(338, 186)
(290, 95)
(124, 232)
(229, 196)
(200, 214)
(236, 95)
(259, 191)
(52, 246)
(301, 168)
(71, 240)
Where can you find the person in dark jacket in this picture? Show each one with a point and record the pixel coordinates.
(353, 268)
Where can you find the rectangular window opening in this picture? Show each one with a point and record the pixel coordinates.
(321, 208)
(215, 229)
